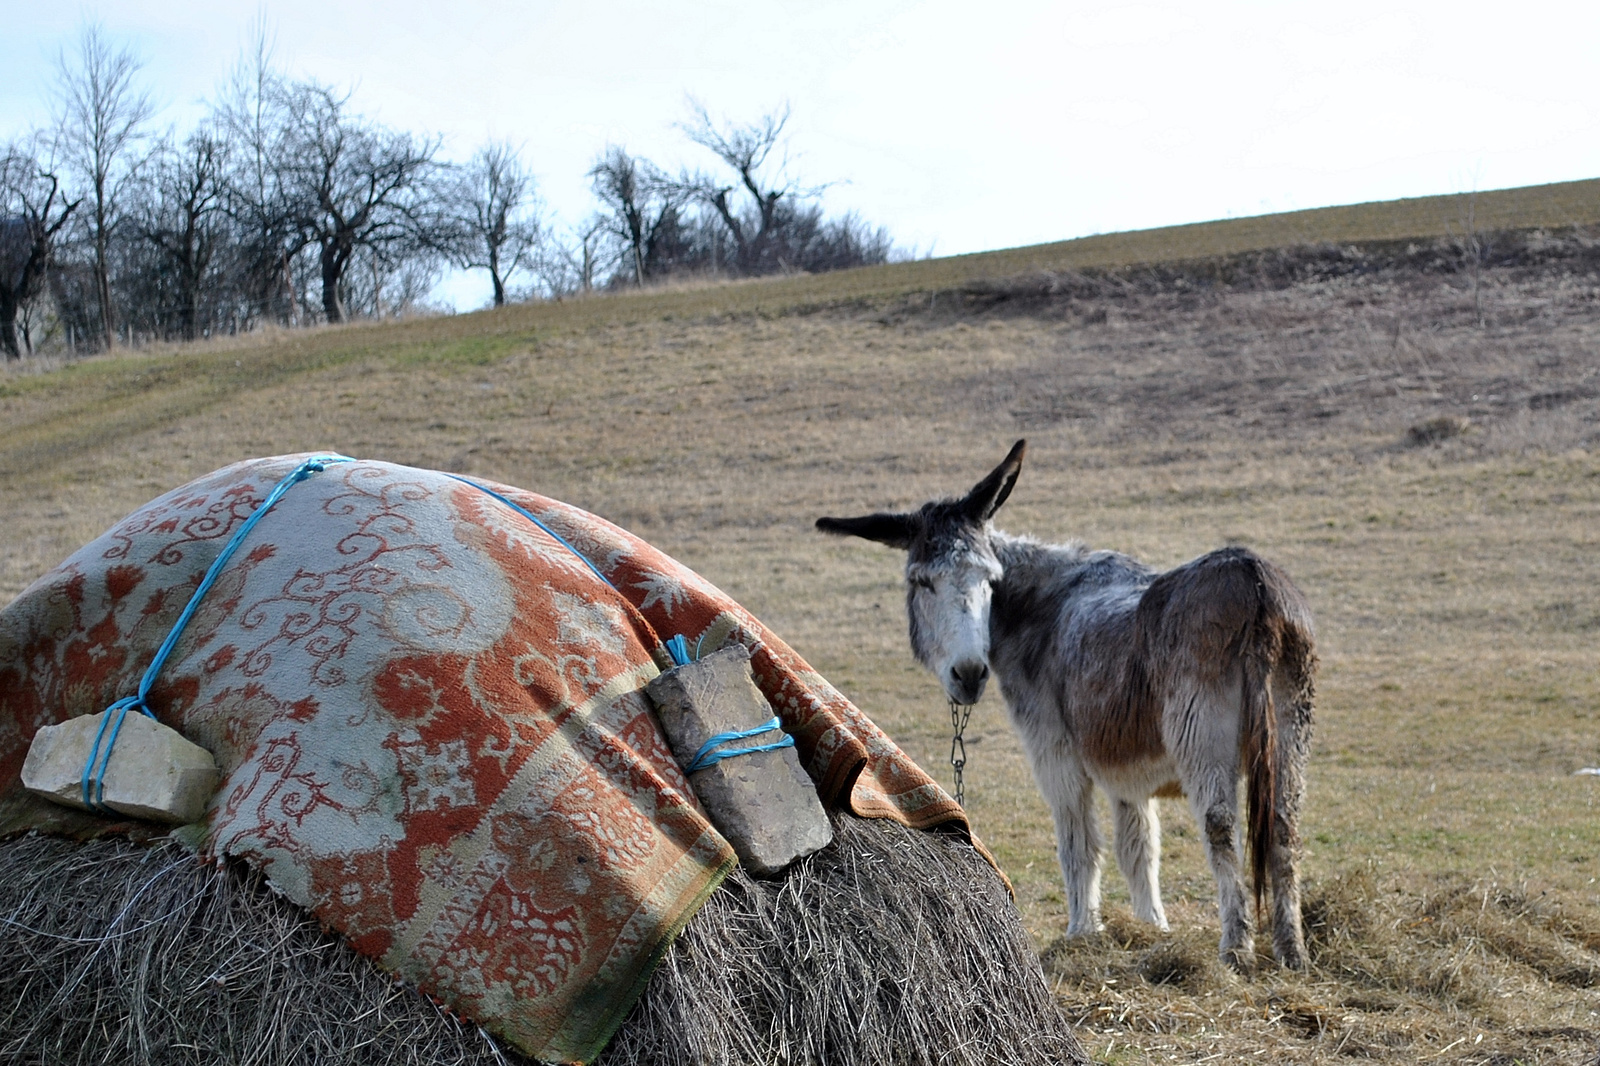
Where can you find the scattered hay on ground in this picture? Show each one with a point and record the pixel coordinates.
(1436, 968)
(890, 946)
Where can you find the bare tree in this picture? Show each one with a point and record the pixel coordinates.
(284, 189)
(765, 222)
(252, 114)
(32, 214)
(570, 261)
(589, 259)
(643, 207)
(746, 149)
(494, 216)
(622, 184)
(100, 119)
(388, 280)
(352, 184)
(184, 222)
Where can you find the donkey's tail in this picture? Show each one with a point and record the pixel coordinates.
(1261, 762)
(1279, 657)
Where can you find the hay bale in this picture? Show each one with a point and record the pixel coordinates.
(888, 946)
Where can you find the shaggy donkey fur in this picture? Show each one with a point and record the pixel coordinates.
(1139, 682)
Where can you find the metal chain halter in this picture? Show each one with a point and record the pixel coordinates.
(959, 714)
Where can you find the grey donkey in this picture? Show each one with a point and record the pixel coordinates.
(1147, 684)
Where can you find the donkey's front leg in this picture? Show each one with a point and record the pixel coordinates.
(1138, 843)
(1070, 794)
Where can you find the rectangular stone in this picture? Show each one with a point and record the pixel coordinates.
(764, 802)
(154, 773)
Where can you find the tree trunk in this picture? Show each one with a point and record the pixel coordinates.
(332, 270)
(189, 311)
(189, 278)
(8, 327)
(741, 250)
(102, 291)
(494, 275)
(293, 301)
(636, 237)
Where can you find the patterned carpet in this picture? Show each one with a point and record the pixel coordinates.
(428, 716)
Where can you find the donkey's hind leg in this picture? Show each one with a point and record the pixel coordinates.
(1138, 843)
(1292, 705)
(1213, 796)
(1206, 748)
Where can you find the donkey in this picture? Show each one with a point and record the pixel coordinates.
(1143, 683)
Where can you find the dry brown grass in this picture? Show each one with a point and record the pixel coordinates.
(1452, 855)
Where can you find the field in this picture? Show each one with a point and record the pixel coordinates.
(1411, 429)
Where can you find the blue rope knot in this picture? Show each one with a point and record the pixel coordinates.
(678, 648)
(706, 756)
(94, 768)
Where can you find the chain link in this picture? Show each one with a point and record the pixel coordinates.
(960, 713)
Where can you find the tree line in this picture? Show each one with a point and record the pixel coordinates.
(284, 205)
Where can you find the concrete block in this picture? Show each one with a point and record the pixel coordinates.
(764, 803)
(154, 773)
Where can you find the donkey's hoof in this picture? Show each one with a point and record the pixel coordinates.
(1084, 922)
(1241, 959)
(1291, 957)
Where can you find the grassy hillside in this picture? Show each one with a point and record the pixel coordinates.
(79, 407)
(1421, 452)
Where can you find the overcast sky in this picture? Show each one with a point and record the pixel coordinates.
(960, 126)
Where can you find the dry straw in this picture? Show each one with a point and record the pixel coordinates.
(890, 946)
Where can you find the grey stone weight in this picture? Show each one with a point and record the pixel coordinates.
(764, 803)
(154, 773)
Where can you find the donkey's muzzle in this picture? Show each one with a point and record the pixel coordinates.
(966, 681)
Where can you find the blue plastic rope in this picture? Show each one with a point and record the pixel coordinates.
(94, 768)
(529, 516)
(678, 648)
(706, 757)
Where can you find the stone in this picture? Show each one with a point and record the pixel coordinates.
(764, 803)
(154, 773)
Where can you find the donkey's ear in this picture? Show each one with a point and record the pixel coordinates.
(895, 530)
(987, 495)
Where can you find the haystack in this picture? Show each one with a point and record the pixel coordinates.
(424, 699)
(892, 945)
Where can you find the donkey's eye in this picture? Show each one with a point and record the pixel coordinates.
(922, 583)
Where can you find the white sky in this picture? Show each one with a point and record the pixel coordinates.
(960, 126)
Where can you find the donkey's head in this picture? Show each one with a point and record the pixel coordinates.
(951, 571)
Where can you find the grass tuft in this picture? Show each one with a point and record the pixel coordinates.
(1437, 429)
